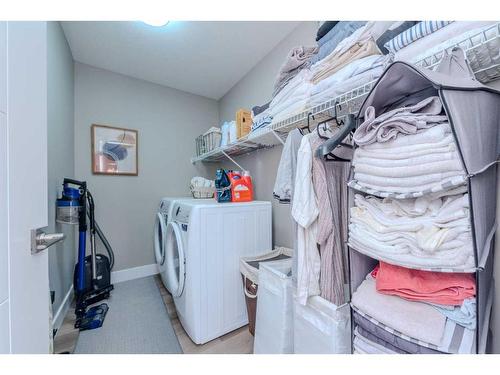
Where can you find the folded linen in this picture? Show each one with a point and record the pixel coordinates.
(324, 28)
(261, 120)
(362, 335)
(409, 36)
(429, 231)
(464, 315)
(292, 98)
(390, 215)
(298, 58)
(407, 184)
(258, 109)
(405, 120)
(365, 346)
(424, 286)
(459, 260)
(354, 75)
(332, 38)
(337, 60)
(414, 319)
(375, 333)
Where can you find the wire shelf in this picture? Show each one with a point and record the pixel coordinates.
(482, 51)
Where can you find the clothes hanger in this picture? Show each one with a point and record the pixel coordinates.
(325, 151)
(301, 130)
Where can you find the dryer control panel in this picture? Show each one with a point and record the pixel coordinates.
(181, 213)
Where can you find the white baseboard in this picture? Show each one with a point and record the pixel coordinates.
(61, 312)
(133, 273)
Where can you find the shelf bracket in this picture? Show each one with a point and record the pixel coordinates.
(277, 136)
(234, 161)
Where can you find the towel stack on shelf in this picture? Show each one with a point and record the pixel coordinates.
(408, 151)
(417, 220)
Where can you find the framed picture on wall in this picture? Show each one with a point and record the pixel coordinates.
(114, 150)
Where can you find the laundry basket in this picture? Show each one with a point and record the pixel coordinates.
(274, 319)
(320, 327)
(249, 268)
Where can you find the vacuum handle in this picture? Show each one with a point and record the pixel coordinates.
(75, 182)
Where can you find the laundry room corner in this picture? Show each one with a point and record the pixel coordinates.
(167, 121)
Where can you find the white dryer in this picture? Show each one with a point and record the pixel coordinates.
(163, 217)
(203, 247)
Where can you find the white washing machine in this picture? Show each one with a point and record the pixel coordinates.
(203, 246)
(162, 219)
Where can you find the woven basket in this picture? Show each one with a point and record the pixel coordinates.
(202, 192)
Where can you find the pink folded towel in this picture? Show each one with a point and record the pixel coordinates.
(425, 286)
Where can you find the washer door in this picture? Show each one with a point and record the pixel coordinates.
(175, 261)
(160, 232)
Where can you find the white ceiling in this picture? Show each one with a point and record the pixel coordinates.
(204, 58)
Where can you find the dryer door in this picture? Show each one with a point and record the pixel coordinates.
(160, 232)
(175, 261)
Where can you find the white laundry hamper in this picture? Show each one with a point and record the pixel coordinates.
(274, 320)
(320, 327)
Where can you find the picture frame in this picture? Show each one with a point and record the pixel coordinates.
(114, 150)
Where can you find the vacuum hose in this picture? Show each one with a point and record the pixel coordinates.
(104, 240)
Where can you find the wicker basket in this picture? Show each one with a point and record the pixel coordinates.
(202, 192)
(208, 141)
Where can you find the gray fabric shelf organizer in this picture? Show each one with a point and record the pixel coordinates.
(473, 110)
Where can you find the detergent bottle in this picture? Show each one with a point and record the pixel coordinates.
(222, 186)
(241, 186)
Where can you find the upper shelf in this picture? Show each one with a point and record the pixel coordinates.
(482, 51)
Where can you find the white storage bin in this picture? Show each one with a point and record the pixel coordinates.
(320, 327)
(274, 321)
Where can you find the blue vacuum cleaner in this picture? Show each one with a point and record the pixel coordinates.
(92, 276)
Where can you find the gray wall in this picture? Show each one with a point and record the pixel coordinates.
(255, 89)
(60, 155)
(168, 121)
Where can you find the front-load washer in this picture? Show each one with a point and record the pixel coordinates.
(203, 247)
(163, 217)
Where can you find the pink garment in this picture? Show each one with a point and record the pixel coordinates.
(425, 286)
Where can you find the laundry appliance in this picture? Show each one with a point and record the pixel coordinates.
(204, 242)
(162, 219)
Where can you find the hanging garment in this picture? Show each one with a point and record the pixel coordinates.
(330, 185)
(285, 180)
(305, 212)
(285, 177)
(424, 286)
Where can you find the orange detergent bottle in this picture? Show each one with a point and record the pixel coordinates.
(241, 186)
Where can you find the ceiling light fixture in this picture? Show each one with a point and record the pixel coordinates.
(156, 22)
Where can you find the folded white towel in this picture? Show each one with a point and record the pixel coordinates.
(427, 231)
(202, 182)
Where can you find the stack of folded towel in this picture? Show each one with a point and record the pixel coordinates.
(430, 232)
(387, 323)
(293, 98)
(354, 75)
(261, 117)
(406, 150)
(297, 59)
(331, 33)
